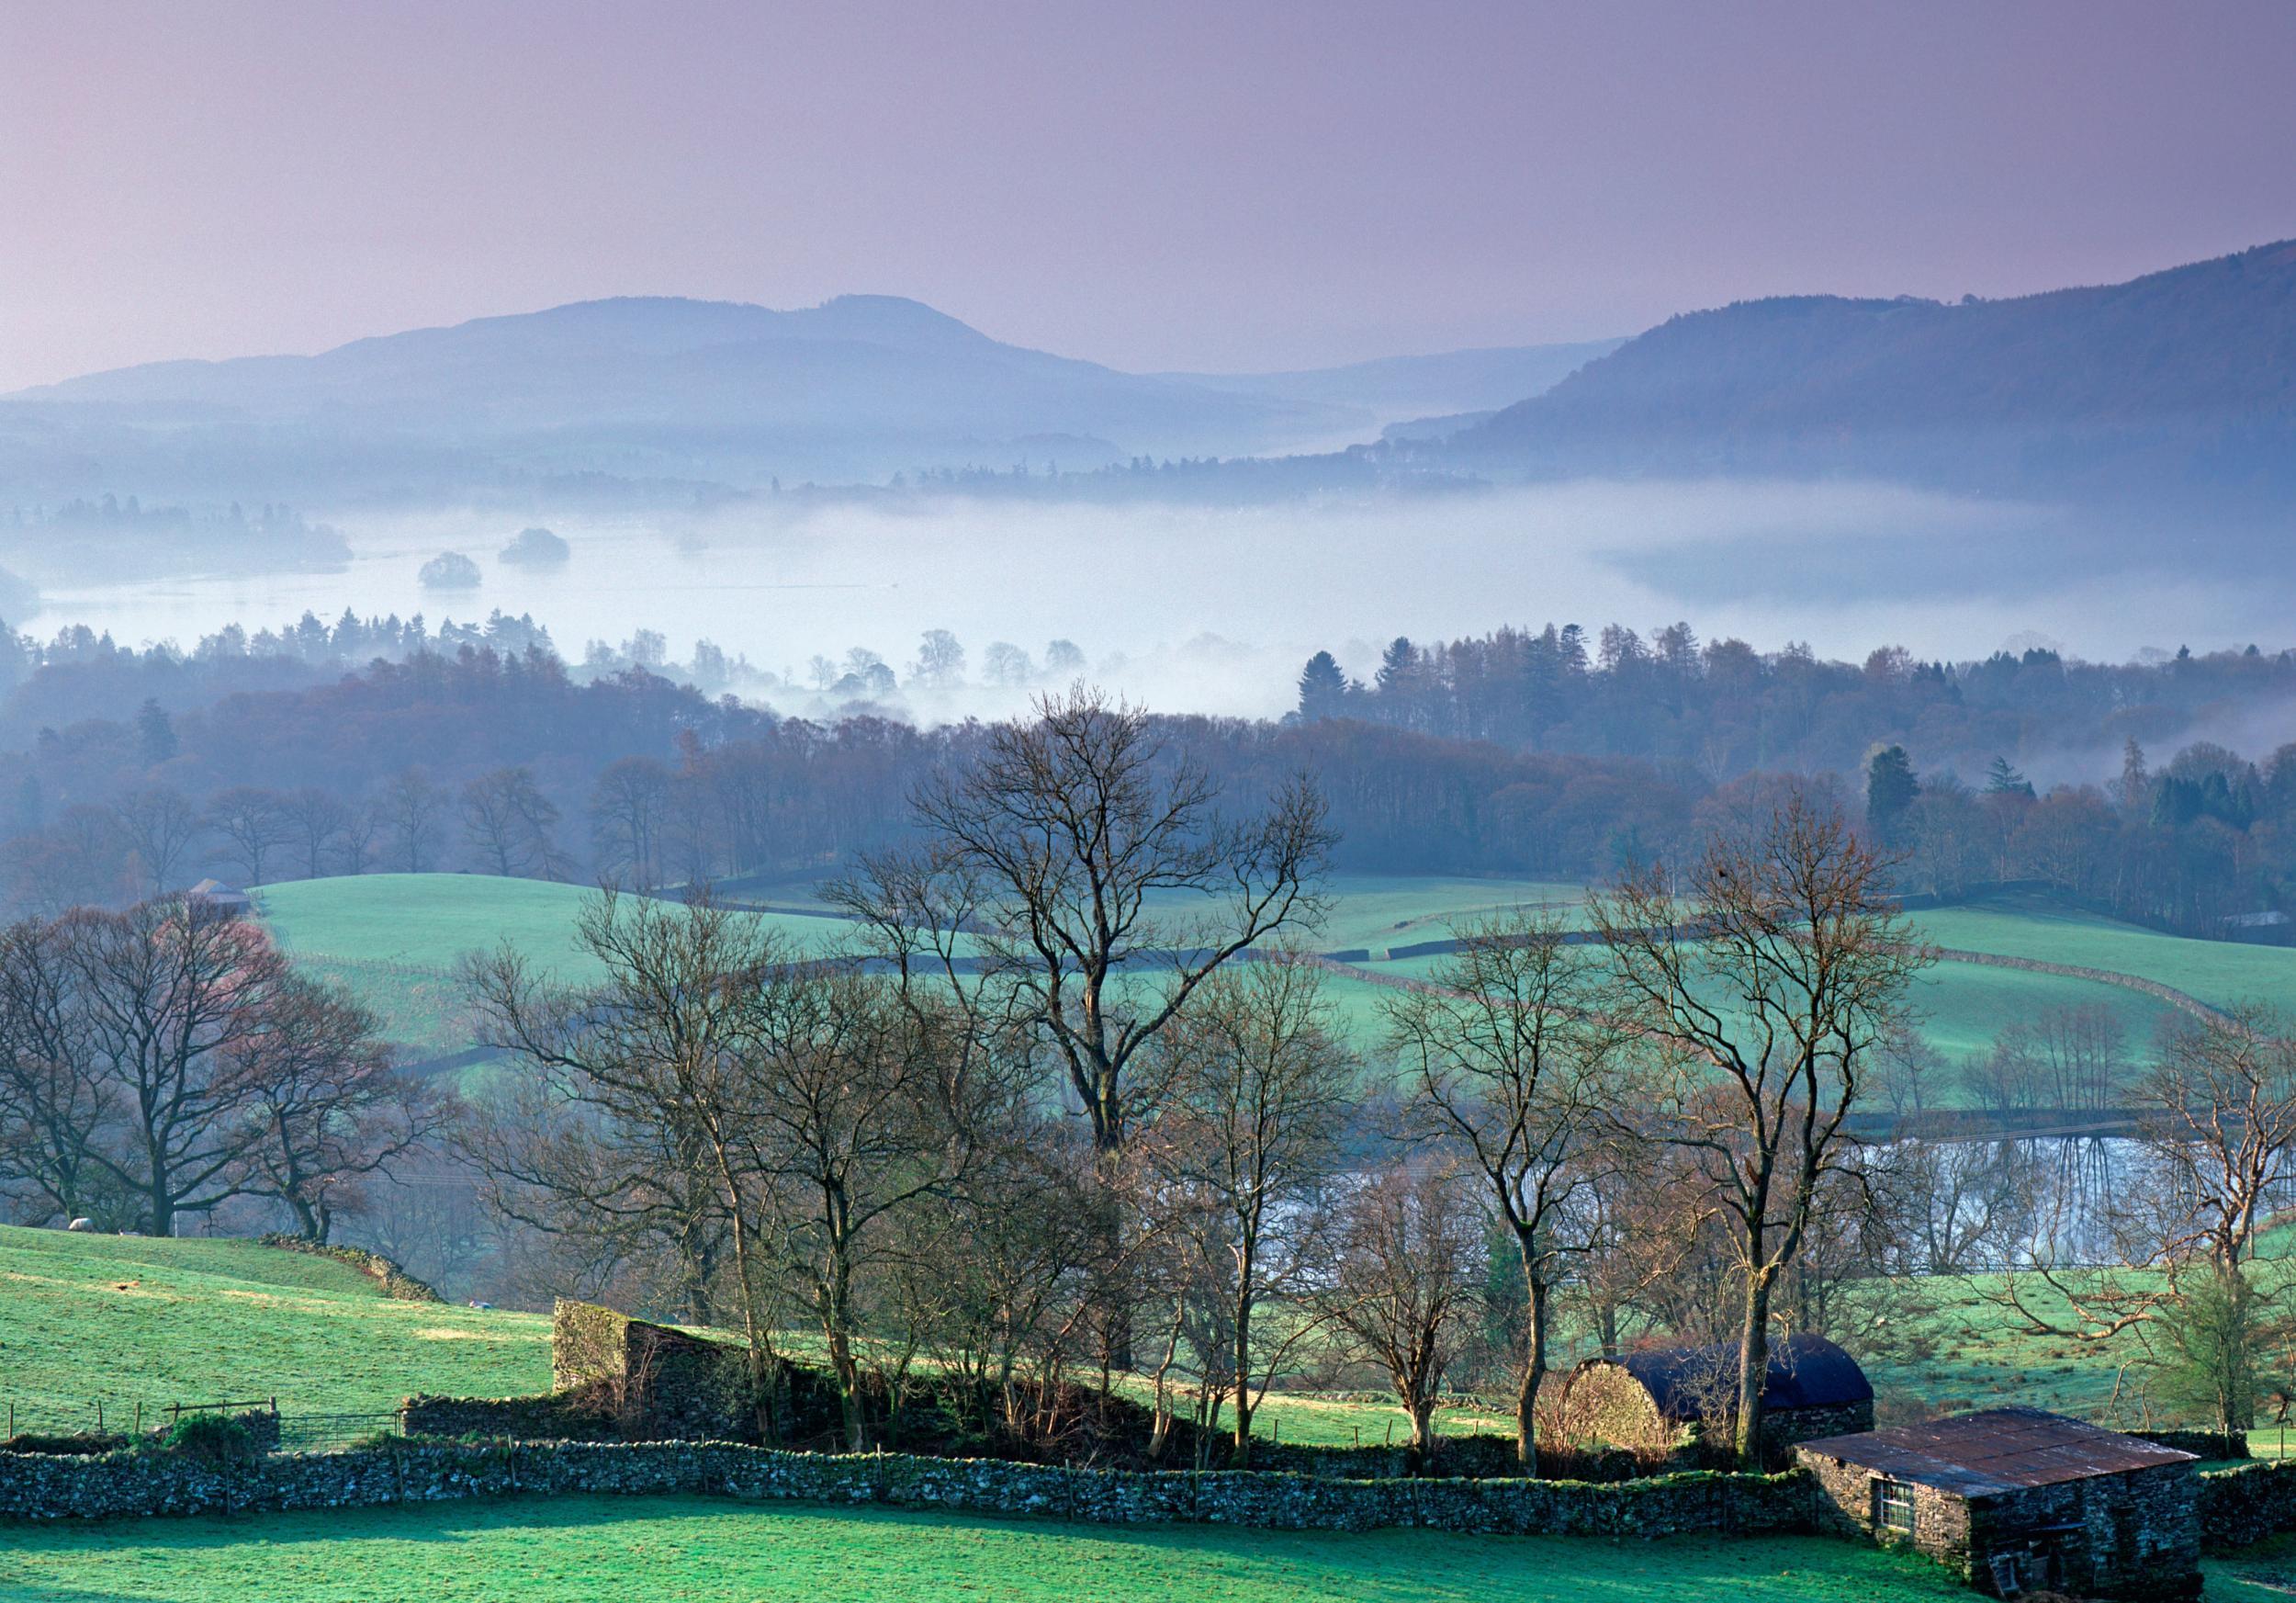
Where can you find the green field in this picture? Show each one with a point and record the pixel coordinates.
(1380, 910)
(395, 941)
(583, 1548)
(129, 1320)
(142, 1320)
(429, 920)
(2218, 972)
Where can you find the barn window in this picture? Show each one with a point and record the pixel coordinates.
(1892, 1504)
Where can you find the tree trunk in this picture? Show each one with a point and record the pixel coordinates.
(1534, 1370)
(1421, 1412)
(1753, 1367)
(1240, 1454)
(1112, 1297)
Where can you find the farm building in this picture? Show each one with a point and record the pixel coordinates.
(1665, 1399)
(219, 897)
(2018, 1500)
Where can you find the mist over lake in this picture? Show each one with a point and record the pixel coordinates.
(1213, 608)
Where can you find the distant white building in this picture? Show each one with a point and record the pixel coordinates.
(220, 897)
(2270, 926)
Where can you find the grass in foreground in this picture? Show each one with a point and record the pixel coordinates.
(582, 1548)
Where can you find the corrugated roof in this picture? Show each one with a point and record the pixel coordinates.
(1805, 1372)
(2000, 1449)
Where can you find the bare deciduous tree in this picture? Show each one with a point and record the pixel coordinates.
(159, 827)
(509, 826)
(333, 1111)
(629, 818)
(1510, 1055)
(1769, 973)
(1254, 1086)
(2218, 1141)
(170, 994)
(54, 1104)
(1082, 883)
(1401, 1286)
(254, 827)
(410, 812)
(318, 824)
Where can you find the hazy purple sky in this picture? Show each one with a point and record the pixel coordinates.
(1225, 184)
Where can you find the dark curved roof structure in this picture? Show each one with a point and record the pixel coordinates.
(1805, 1372)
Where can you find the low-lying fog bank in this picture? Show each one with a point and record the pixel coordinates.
(1214, 609)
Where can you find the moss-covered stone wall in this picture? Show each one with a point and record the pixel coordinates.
(123, 1484)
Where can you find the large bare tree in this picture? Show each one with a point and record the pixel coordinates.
(55, 1104)
(1510, 1056)
(1768, 974)
(628, 1131)
(1255, 1087)
(159, 827)
(1096, 879)
(1401, 1289)
(334, 1112)
(170, 994)
(1079, 881)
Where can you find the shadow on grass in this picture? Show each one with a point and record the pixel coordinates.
(713, 1547)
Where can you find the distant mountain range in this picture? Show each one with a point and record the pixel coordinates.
(661, 393)
(2178, 382)
(2175, 388)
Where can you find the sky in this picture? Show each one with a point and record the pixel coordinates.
(1235, 186)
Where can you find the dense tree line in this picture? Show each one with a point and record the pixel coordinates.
(497, 760)
(1730, 709)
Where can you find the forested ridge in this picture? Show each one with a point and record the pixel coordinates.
(378, 744)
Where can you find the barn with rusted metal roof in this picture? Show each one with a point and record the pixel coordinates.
(2018, 1500)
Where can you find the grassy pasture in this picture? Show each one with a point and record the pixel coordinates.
(1380, 910)
(576, 1548)
(1963, 1007)
(2218, 972)
(394, 941)
(429, 920)
(137, 1319)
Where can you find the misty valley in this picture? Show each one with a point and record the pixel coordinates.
(1111, 803)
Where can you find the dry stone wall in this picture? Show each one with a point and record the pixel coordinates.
(123, 1484)
(2246, 1504)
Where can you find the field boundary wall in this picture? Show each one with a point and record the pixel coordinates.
(132, 1484)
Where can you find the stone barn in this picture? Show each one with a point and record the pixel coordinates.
(1669, 1399)
(2018, 1500)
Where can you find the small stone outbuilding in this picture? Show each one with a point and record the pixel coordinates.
(2018, 1500)
(1665, 1399)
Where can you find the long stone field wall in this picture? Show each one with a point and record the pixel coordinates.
(127, 1484)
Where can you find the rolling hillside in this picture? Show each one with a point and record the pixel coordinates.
(2181, 382)
(396, 941)
(644, 388)
(145, 1320)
